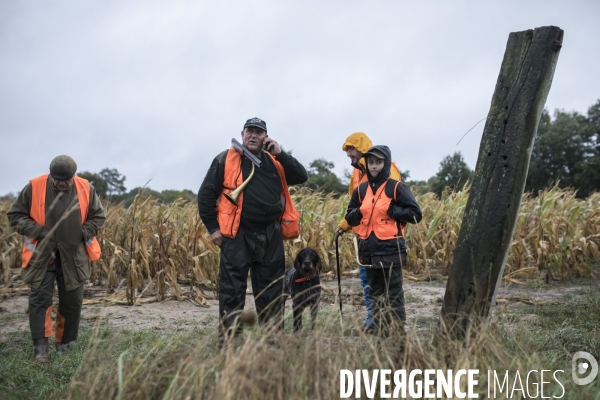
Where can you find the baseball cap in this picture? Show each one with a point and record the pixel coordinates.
(380, 151)
(256, 122)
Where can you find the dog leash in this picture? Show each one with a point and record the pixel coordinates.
(339, 275)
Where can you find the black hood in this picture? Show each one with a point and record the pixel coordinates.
(387, 164)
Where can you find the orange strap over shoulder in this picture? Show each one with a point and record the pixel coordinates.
(374, 209)
(290, 219)
(359, 177)
(37, 212)
(82, 187)
(229, 214)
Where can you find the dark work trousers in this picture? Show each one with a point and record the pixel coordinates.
(387, 294)
(69, 307)
(262, 254)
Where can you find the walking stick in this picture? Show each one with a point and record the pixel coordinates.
(339, 275)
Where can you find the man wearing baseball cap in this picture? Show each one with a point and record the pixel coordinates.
(59, 215)
(257, 123)
(250, 232)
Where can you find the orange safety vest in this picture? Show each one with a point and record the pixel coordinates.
(229, 215)
(38, 213)
(375, 218)
(357, 179)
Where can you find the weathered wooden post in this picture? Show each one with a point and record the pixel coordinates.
(494, 201)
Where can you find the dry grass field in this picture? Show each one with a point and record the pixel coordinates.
(165, 251)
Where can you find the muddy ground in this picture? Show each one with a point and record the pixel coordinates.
(423, 303)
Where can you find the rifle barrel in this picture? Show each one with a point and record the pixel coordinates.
(238, 146)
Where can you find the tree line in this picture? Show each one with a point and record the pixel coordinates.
(566, 152)
(110, 184)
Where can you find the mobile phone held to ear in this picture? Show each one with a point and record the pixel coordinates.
(266, 146)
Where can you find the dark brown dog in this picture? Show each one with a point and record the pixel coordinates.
(303, 284)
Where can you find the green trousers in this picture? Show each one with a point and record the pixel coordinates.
(68, 314)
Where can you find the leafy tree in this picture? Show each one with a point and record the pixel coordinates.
(453, 172)
(97, 182)
(170, 196)
(166, 196)
(347, 176)
(321, 178)
(109, 182)
(416, 187)
(593, 120)
(9, 197)
(566, 149)
(146, 192)
(114, 181)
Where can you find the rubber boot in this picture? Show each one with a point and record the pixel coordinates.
(366, 328)
(40, 348)
(61, 348)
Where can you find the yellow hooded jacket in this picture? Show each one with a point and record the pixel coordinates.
(361, 142)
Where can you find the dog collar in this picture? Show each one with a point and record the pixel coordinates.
(304, 278)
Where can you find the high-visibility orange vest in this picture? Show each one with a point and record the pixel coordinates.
(357, 179)
(375, 218)
(229, 215)
(38, 214)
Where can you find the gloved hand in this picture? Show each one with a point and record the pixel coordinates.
(390, 210)
(354, 217)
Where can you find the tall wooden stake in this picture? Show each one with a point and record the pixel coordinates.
(495, 197)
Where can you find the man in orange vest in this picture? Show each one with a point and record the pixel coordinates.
(59, 215)
(251, 232)
(355, 146)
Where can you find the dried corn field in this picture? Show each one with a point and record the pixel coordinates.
(166, 250)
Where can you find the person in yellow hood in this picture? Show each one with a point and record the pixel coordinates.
(355, 146)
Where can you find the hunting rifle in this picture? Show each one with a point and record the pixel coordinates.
(233, 196)
(239, 147)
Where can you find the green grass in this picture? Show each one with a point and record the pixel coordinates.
(7, 317)
(555, 335)
(563, 329)
(537, 283)
(410, 298)
(21, 378)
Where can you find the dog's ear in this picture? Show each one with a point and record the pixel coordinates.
(297, 261)
(319, 265)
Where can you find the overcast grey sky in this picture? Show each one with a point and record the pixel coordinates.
(157, 89)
